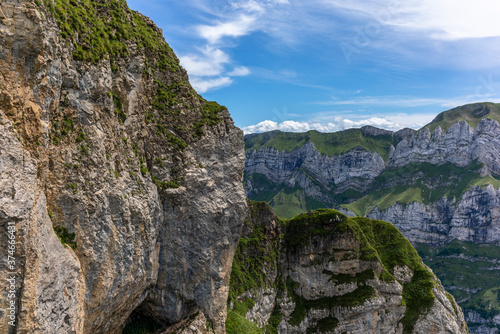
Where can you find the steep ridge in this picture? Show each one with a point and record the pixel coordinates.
(322, 272)
(322, 169)
(436, 185)
(122, 183)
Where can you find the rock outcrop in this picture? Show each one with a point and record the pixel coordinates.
(323, 272)
(123, 184)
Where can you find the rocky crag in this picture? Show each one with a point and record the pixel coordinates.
(122, 184)
(437, 184)
(322, 272)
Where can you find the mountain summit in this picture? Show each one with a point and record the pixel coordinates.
(471, 113)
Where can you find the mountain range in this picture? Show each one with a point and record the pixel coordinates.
(438, 185)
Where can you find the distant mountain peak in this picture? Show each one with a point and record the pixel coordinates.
(471, 113)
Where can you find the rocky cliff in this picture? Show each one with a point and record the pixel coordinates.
(436, 185)
(322, 272)
(120, 186)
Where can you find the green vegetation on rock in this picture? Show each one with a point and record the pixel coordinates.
(105, 29)
(254, 254)
(61, 128)
(210, 116)
(289, 202)
(108, 31)
(65, 237)
(475, 289)
(471, 113)
(326, 143)
(324, 325)
(286, 202)
(117, 101)
(431, 183)
(379, 242)
(238, 324)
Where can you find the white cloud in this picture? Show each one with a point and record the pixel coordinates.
(391, 122)
(413, 121)
(337, 125)
(203, 85)
(207, 69)
(239, 72)
(417, 31)
(209, 63)
(236, 28)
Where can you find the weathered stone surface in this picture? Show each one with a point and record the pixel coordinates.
(156, 206)
(474, 217)
(355, 169)
(48, 278)
(325, 265)
(196, 325)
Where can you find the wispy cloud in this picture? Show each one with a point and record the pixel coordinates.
(210, 67)
(451, 19)
(408, 101)
(444, 19)
(209, 62)
(203, 85)
(404, 32)
(239, 72)
(236, 28)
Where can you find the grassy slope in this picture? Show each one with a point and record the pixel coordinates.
(434, 182)
(236, 323)
(479, 274)
(286, 202)
(471, 113)
(326, 143)
(289, 202)
(270, 189)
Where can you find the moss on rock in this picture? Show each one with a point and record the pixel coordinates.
(378, 244)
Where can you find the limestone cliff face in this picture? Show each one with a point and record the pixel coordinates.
(460, 145)
(317, 173)
(104, 137)
(474, 218)
(333, 274)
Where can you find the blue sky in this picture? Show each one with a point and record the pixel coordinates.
(334, 64)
